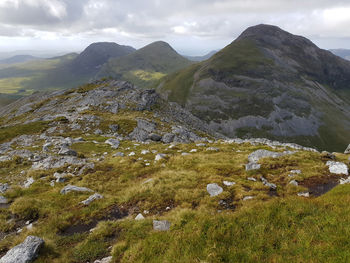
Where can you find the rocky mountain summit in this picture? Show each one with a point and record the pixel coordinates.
(272, 84)
(108, 172)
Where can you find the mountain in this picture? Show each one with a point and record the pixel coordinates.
(145, 66)
(18, 59)
(108, 172)
(95, 55)
(344, 53)
(201, 58)
(269, 83)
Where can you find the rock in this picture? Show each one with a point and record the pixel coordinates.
(266, 183)
(168, 138)
(53, 162)
(98, 132)
(139, 217)
(46, 147)
(345, 181)
(295, 171)
(201, 145)
(252, 166)
(162, 225)
(29, 182)
(155, 137)
(142, 131)
(3, 200)
(92, 198)
(193, 151)
(347, 151)
(294, 182)
(73, 188)
(68, 152)
(4, 188)
(257, 155)
(338, 167)
(25, 252)
(145, 152)
(328, 155)
(214, 189)
(60, 177)
(213, 149)
(304, 194)
(251, 179)
(114, 127)
(114, 143)
(159, 157)
(227, 183)
(104, 260)
(185, 154)
(118, 154)
(248, 198)
(132, 154)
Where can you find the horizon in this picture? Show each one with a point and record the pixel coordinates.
(190, 27)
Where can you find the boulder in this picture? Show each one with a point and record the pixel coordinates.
(25, 252)
(114, 143)
(92, 198)
(155, 137)
(214, 189)
(73, 188)
(252, 166)
(162, 225)
(337, 167)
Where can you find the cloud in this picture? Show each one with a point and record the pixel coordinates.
(199, 20)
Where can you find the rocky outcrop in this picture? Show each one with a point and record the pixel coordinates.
(25, 252)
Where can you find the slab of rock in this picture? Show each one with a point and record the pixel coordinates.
(29, 182)
(92, 198)
(214, 189)
(252, 166)
(25, 252)
(3, 200)
(338, 167)
(162, 225)
(114, 143)
(104, 260)
(73, 188)
(347, 151)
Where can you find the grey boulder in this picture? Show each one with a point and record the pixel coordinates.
(91, 199)
(25, 252)
(214, 189)
(162, 225)
(72, 188)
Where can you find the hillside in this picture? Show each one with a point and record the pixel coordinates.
(111, 171)
(145, 66)
(269, 83)
(18, 59)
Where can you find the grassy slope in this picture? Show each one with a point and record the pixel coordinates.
(265, 229)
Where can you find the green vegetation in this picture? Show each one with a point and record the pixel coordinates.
(10, 132)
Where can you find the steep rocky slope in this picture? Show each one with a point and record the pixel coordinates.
(145, 66)
(114, 173)
(269, 83)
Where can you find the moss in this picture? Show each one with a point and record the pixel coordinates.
(10, 132)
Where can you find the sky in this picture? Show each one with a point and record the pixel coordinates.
(192, 27)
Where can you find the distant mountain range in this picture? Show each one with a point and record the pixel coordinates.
(201, 58)
(18, 59)
(344, 53)
(272, 84)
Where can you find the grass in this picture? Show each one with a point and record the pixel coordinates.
(265, 229)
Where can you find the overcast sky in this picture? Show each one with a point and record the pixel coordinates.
(190, 26)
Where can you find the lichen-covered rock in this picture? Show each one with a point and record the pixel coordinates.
(214, 189)
(72, 188)
(92, 198)
(162, 225)
(338, 167)
(25, 252)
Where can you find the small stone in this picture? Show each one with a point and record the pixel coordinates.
(98, 132)
(162, 225)
(145, 152)
(68, 152)
(213, 149)
(131, 154)
(159, 157)
(4, 188)
(29, 182)
(193, 151)
(118, 154)
(248, 198)
(268, 184)
(201, 145)
(214, 189)
(139, 217)
(185, 154)
(251, 179)
(295, 171)
(304, 194)
(252, 166)
(92, 198)
(104, 260)
(227, 183)
(294, 182)
(3, 200)
(347, 151)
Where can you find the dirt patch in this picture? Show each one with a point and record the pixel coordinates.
(319, 185)
(113, 213)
